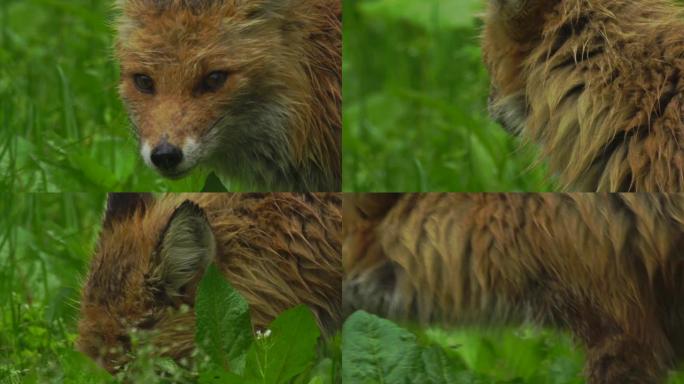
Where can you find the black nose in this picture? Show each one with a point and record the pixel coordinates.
(166, 156)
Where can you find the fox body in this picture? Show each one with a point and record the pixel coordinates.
(277, 250)
(597, 83)
(249, 88)
(607, 267)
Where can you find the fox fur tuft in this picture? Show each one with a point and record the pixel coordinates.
(597, 84)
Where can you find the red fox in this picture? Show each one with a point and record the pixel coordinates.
(277, 250)
(250, 89)
(597, 84)
(607, 267)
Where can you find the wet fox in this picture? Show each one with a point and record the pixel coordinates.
(597, 83)
(249, 88)
(277, 250)
(607, 267)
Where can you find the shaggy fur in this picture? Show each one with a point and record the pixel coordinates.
(607, 267)
(597, 83)
(277, 250)
(275, 124)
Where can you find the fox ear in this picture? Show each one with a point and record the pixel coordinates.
(185, 249)
(121, 206)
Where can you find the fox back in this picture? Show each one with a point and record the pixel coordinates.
(277, 250)
(251, 89)
(608, 268)
(597, 84)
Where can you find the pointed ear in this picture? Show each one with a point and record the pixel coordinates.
(121, 206)
(184, 251)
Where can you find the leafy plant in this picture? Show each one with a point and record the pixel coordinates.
(375, 350)
(286, 350)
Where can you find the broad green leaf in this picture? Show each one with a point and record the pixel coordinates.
(289, 349)
(375, 350)
(216, 375)
(224, 328)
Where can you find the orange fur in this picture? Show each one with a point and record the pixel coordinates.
(605, 266)
(597, 83)
(277, 250)
(275, 124)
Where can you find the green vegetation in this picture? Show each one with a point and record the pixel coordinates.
(62, 126)
(375, 350)
(45, 243)
(415, 95)
(463, 357)
(285, 353)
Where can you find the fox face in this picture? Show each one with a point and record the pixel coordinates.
(277, 250)
(204, 80)
(143, 279)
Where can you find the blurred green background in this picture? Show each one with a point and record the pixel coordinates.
(62, 126)
(415, 96)
(45, 244)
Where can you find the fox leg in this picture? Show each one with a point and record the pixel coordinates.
(621, 360)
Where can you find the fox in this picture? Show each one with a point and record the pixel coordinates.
(248, 89)
(278, 250)
(606, 267)
(596, 84)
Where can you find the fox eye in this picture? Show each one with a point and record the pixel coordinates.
(125, 341)
(213, 81)
(144, 83)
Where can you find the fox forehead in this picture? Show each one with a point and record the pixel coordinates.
(191, 16)
(195, 33)
(142, 7)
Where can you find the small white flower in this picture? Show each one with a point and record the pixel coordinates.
(262, 334)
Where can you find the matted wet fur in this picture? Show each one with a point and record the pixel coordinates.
(597, 83)
(607, 267)
(271, 120)
(277, 250)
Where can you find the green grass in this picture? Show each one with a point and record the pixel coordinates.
(415, 93)
(62, 126)
(45, 241)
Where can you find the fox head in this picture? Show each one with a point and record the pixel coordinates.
(143, 278)
(213, 81)
(512, 29)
